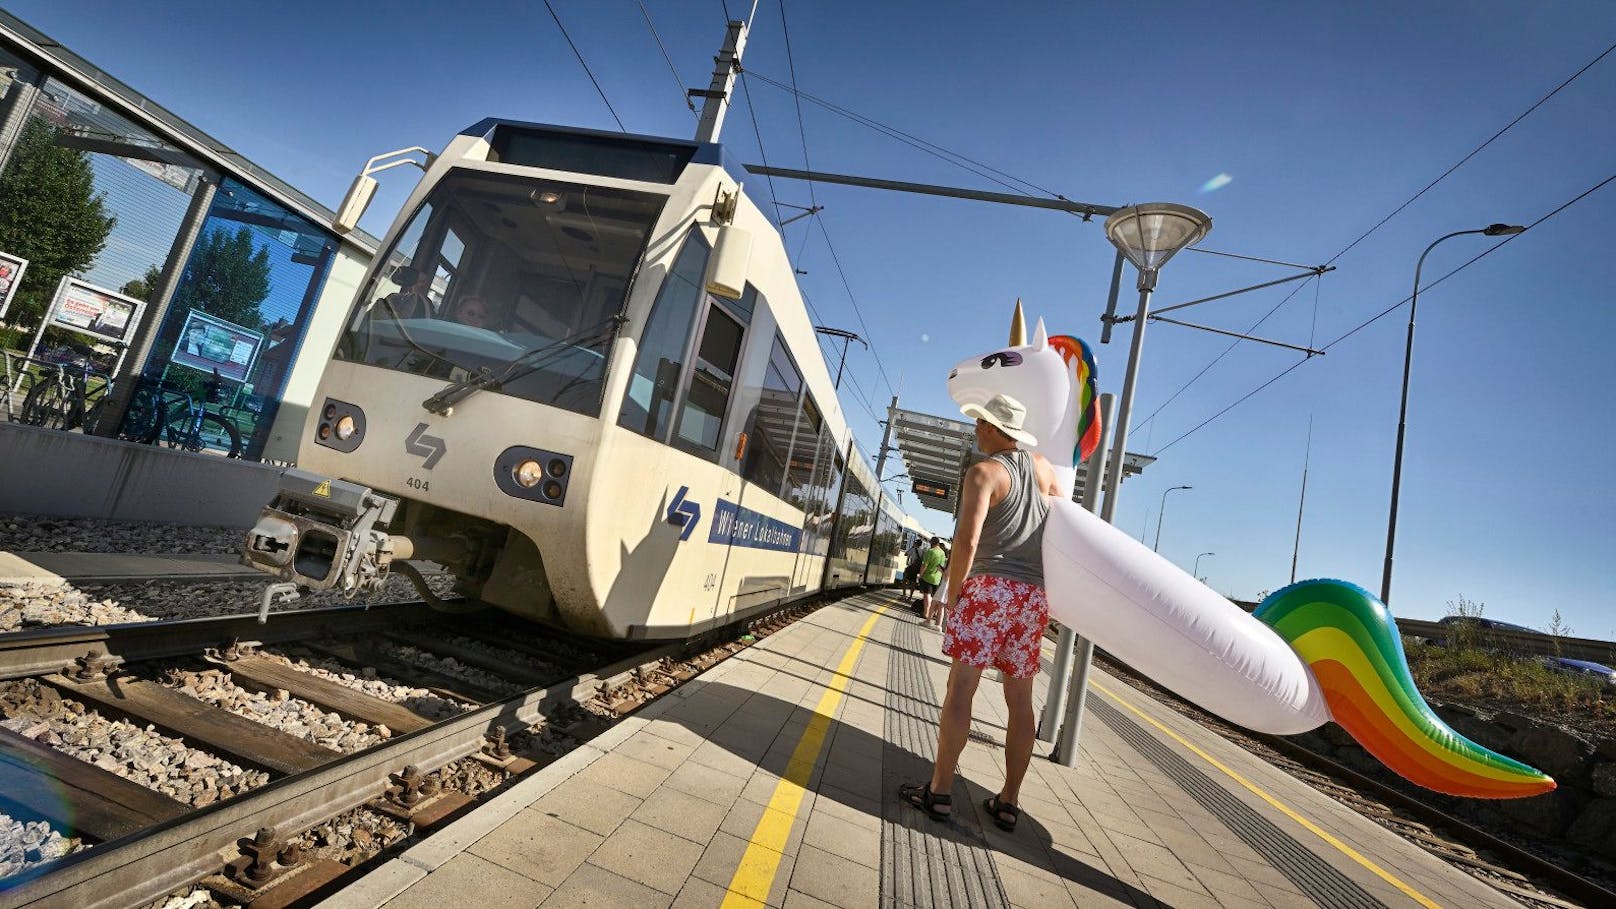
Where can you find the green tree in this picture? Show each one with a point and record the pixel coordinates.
(141, 288)
(50, 214)
(226, 277)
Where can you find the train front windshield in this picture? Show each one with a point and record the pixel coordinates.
(495, 270)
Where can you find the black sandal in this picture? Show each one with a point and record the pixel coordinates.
(998, 808)
(923, 798)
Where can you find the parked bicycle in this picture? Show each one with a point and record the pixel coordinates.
(158, 413)
(61, 397)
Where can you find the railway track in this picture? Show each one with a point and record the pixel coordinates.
(1532, 879)
(514, 687)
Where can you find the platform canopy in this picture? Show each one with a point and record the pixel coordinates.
(938, 450)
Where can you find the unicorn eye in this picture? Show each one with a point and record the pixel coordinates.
(1002, 358)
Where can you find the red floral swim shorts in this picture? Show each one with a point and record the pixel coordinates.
(998, 624)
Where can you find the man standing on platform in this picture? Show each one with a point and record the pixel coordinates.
(999, 611)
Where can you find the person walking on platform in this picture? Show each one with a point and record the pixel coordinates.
(996, 582)
(931, 574)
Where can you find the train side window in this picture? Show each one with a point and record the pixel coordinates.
(768, 429)
(648, 404)
(700, 426)
(799, 489)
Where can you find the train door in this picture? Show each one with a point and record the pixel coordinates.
(701, 429)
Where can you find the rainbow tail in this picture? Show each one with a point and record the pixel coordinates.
(1349, 640)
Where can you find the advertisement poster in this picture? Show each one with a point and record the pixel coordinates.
(208, 344)
(11, 269)
(94, 311)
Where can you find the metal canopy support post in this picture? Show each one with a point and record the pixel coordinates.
(145, 337)
(1049, 723)
(886, 436)
(1147, 282)
(1077, 690)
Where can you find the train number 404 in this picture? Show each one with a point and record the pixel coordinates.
(418, 483)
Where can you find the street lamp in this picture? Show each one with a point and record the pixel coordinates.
(1162, 511)
(1491, 230)
(1198, 564)
(1148, 235)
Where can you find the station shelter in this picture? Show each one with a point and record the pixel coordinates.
(240, 281)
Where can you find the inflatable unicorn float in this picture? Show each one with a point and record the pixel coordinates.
(1313, 652)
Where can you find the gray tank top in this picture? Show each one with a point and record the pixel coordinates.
(1012, 544)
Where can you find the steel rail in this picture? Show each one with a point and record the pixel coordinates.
(46, 650)
(142, 867)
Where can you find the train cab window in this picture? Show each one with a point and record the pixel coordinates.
(477, 264)
(648, 404)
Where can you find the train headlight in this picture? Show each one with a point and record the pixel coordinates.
(341, 426)
(534, 474)
(528, 474)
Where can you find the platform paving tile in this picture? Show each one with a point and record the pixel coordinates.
(1222, 883)
(587, 804)
(625, 774)
(537, 846)
(744, 817)
(721, 859)
(703, 782)
(681, 814)
(647, 855)
(1040, 890)
(597, 888)
(467, 880)
(845, 840)
(699, 894)
(836, 880)
(653, 749)
(718, 758)
(1178, 897)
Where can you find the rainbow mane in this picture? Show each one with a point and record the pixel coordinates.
(1349, 640)
(1086, 402)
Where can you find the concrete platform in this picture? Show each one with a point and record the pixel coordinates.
(771, 780)
(120, 568)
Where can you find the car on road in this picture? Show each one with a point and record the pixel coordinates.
(1581, 667)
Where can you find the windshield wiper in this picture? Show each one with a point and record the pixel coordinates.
(448, 396)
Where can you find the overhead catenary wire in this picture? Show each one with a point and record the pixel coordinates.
(665, 56)
(1377, 226)
(963, 162)
(1389, 310)
(585, 64)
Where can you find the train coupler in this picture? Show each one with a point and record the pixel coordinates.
(323, 534)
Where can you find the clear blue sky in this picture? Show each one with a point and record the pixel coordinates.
(1325, 118)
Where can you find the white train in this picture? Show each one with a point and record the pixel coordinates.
(581, 376)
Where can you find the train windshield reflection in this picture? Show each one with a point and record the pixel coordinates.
(494, 269)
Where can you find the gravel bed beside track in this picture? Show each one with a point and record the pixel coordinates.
(290, 715)
(36, 533)
(369, 681)
(31, 604)
(26, 844)
(147, 757)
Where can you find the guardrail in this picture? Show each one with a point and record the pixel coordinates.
(1534, 643)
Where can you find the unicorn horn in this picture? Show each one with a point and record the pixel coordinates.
(1018, 327)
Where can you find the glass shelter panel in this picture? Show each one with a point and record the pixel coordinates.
(239, 312)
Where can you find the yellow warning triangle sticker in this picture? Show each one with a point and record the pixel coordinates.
(324, 489)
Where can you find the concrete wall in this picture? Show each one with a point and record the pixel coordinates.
(49, 472)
